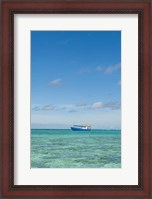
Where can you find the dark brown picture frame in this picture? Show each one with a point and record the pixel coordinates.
(143, 9)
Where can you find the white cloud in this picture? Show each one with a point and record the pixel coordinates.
(85, 70)
(111, 69)
(72, 111)
(101, 120)
(103, 69)
(48, 107)
(64, 42)
(81, 104)
(112, 105)
(36, 108)
(99, 68)
(56, 82)
(96, 105)
(109, 105)
(67, 106)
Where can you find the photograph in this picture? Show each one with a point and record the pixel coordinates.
(75, 99)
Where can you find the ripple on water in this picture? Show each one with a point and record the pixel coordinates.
(67, 149)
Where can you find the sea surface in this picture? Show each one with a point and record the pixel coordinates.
(56, 148)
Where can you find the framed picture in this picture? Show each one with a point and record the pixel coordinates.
(76, 99)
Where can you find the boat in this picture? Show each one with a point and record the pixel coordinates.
(81, 128)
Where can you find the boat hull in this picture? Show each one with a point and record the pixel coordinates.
(79, 129)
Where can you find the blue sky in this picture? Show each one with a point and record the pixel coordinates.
(76, 79)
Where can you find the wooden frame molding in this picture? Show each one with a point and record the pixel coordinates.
(143, 9)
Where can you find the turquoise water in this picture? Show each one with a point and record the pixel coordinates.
(69, 149)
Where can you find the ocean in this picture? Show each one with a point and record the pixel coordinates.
(56, 148)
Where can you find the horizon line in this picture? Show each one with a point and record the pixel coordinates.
(69, 129)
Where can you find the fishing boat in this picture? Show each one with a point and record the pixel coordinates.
(81, 128)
